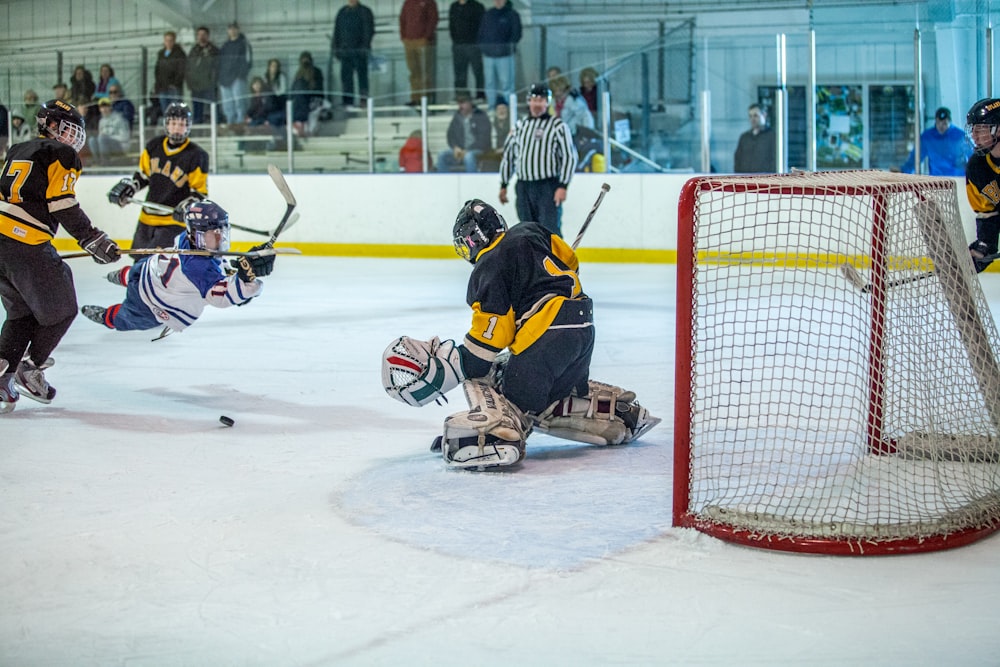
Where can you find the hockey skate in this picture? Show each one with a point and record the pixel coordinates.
(119, 276)
(8, 393)
(30, 380)
(96, 314)
(483, 453)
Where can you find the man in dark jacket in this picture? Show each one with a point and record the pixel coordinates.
(168, 74)
(353, 30)
(468, 137)
(235, 61)
(499, 33)
(464, 17)
(202, 73)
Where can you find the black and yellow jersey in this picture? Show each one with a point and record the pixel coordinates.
(173, 173)
(981, 175)
(517, 289)
(38, 182)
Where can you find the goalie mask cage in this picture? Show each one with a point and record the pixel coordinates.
(837, 389)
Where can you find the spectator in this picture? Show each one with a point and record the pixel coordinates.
(112, 135)
(261, 103)
(168, 73)
(60, 92)
(22, 129)
(943, 148)
(499, 33)
(410, 155)
(276, 80)
(418, 21)
(105, 79)
(4, 137)
(468, 137)
(490, 160)
(235, 62)
(588, 88)
(541, 152)
(202, 73)
(121, 104)
(570, 106)
(31, 106)
(755, 152)
(82, 86)
(464, 17)
(353, 30)
(307, 93)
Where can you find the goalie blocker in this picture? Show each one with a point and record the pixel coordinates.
(492, 432)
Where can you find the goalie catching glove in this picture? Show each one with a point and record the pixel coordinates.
(417, 372)
(249, 269)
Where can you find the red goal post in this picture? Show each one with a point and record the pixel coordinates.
(837, 386)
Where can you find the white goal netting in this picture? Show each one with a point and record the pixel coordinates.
(840, 390)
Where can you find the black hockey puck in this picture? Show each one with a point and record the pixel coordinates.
(226, 420)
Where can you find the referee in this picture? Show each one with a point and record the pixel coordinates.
(541, 152)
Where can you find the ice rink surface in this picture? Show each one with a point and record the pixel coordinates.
(135, 529)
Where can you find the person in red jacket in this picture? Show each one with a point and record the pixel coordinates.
(418, 21)
(409, 155)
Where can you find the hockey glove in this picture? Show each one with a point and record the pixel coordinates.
(248, 269)
(419, 372)
(104, 250)
(181, 209)
(980, 251)
(123, 191)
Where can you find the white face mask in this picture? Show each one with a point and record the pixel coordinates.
(71, 135)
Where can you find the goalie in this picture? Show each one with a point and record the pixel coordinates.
(527, 300)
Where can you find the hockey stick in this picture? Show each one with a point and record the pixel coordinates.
(857, 280)
(605, 188)
(163, 209)
(263, 252)
(282, 185)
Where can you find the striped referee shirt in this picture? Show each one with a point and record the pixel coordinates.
(539, 148)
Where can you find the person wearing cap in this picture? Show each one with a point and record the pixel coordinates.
(112, 133)
(21, 129)
(943, 149)
(541, 153)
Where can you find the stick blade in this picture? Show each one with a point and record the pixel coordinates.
(281, 183)
(854, 277)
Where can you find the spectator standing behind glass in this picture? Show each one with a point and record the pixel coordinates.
(464, 18)
(276, 80)
(235, 61)
(353, 30)
(541, 152)
(418, 21)
(468, 137)
(499, 33)
(755, 152)
(105, 79)
(588, 88)
(307, 93)
(570, 106)
(202, 74)
(943, 148)
(121, 104)
(112, 133)
(168, 73)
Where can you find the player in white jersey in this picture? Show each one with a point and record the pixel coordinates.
(173, 290)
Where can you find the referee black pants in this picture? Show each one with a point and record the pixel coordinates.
(536, 203)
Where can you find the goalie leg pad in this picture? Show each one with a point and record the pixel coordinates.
(418, 372)
(490, 434)
(608, 415)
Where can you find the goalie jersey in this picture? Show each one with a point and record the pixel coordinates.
(517, 291)
(176, 288)
(981, 177)
(173, 174)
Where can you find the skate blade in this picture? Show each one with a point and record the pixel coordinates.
(647, 426)
(493, 456)
(26, 393)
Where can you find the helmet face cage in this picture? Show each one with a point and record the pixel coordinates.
(983, 121)
(177, 111)
(207, 220)
(477, 226)
(69, 130)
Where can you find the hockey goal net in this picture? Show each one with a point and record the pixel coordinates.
(837, 388)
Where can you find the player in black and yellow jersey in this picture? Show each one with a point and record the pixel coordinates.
(176, 171)
(526, 299)
(37, 195)
(982, 178)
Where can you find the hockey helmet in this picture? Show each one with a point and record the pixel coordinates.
(983, 120)
(203, 218)
(477, 226)
(177, 111)
(60, 121)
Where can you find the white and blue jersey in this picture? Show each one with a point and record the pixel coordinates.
(173, 290)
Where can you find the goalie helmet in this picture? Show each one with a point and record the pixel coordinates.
(60, 121)
(477, 226)
(203, 218)
(983, 121)
(177, 111)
